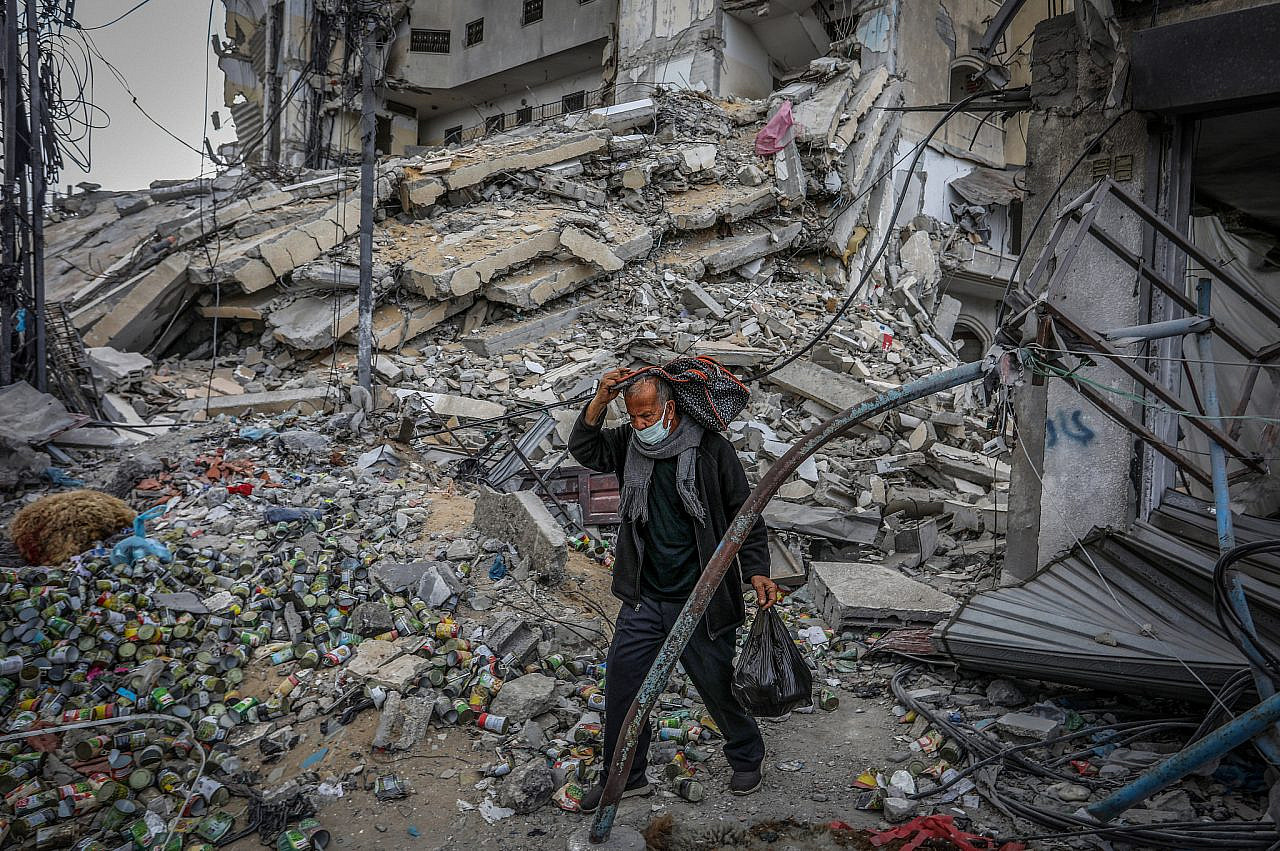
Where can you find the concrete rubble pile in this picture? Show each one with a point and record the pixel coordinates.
(312, 586)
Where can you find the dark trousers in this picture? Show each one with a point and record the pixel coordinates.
(637, 638)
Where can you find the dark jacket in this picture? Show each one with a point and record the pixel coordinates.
(722, 486)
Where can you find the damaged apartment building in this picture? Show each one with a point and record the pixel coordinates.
(450, 73)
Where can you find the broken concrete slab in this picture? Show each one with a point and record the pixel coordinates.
(590, 249)
(313, 322)
(818, 116)
(622, 116)
(524, 697)
(789, 175)
(308, 399)
(833, 390)
(852, 594)
(694, 297)
(524, 520)
(112, 366)
(573, 190)
(1027, 726)
(29, 417)
(546, 280)
(703, 206)
(521, 156)
(706, 253)
(418, 192)
(370, 655)
(447, 405)
(146, 308)
(399, 674)
(440, 271)
(833, 523)
(396, 324)
(254, 306)
(502, 337)
(857, 106)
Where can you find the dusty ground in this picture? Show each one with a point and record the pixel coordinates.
(832, 746)
(822, 752)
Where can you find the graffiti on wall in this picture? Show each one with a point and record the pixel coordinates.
(1069, 426)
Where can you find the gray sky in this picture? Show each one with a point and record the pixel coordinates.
(162, 50)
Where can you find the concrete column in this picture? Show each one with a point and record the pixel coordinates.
(1086, 461)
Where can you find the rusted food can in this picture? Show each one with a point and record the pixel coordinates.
(690, 789)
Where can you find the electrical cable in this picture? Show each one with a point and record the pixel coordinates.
(870, 265)
(1176, 835)
(74, 25)
(1227, 612)
(1050, 370)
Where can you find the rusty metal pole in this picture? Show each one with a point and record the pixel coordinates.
(700, 597)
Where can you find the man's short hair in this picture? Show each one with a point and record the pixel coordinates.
(663, 388)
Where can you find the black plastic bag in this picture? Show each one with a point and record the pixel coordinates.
(772, 676)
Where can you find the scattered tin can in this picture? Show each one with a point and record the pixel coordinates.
(690, 789)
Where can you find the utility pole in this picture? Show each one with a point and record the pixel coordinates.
(36, 86)
(8, 194)
(368, 132)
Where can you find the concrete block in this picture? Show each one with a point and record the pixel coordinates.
(694, 297)
(590, 249)
(556, 149)
(447, 405)
(309, 323)
(504, 337)
(309, 399)
(112, 365)
(1027, 726)
(696, 158)
(146, 309)
(855, 594)
(573, 190)
(623, 116)
(521, 518)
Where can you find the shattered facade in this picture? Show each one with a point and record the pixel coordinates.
(1175, 152)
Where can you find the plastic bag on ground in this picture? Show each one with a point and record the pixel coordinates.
(775, 135)
(772, 676)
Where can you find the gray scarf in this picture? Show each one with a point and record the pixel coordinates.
(681, 444)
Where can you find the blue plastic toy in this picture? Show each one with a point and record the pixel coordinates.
(138, 546)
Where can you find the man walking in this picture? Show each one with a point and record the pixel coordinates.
(681, 486)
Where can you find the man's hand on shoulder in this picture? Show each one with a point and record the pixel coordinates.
(766, 591)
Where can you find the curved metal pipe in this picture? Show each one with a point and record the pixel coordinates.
(700, 597)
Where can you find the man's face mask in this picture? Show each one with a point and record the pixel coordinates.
(657, 432)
